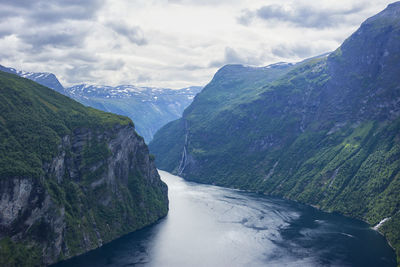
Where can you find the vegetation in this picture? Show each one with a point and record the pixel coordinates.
(33, 119)
(326, 132)
(94, 207)
(18, 254)
(149, 109)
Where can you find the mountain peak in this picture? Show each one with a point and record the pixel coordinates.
(44, 78)
(372, 48)
(393, 7)
(390, 16)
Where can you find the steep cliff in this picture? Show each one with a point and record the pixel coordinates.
(71, 178)
(327, 133)
(150, 108)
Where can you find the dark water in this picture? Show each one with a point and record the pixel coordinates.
(213, 226)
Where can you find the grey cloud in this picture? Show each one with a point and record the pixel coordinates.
(41, 39)
(84, 56)
(18, 3)
(4, 32)
(302, 16)
(143, 78)
(77, 56)
(299, 50)
(203, 2)
(246, 18)
(133, 33)
(191, 67)
(113, 65)
(80, 73)
(231, 56)
(7, 12)
(49, 12)
(287, 51)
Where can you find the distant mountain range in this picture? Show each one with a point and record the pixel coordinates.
(150, 108)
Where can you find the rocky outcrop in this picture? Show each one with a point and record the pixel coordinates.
(325, 133)
(99, 186)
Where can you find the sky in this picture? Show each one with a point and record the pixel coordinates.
(169, 43)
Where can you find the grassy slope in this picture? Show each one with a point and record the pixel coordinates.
(148, 116)
(323, 134)
(33, 119)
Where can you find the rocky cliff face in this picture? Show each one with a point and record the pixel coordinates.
(326, 133)
(98, 183)
(79, 205)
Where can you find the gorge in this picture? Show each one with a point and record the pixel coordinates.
(325, 131)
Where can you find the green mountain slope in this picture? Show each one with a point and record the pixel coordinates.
(71, 178)
(149, 108)
(327, 133)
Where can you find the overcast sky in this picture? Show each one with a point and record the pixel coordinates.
(173, 43)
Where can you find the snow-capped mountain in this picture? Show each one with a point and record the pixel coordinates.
(126, 91)
(44, 78)
(149, 108)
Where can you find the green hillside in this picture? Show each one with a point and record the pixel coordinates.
(33, 119)
(327, 133)
(72, 178)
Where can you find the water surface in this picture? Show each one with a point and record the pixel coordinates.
(214, 226)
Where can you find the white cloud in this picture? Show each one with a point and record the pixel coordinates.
(173, 43)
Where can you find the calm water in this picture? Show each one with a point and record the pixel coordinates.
(213, 226)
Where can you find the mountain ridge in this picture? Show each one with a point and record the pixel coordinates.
(149, 107)
(325, 133)
(72, 178)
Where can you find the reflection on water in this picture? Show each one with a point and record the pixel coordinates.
(214, 226)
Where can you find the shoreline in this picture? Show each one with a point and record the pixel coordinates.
(375, 228)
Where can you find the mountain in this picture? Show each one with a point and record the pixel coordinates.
(325, 132)
(72, 178)
(43, 78)
(150, 108)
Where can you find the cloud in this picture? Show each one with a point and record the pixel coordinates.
(191, 67)
(299, 15)
(143, 78)
(203, 2)
(168, 43)
(39, 40)
(5, 32)
(294, 50)
(19, 3)
(113, 65)
(55, 11)
(80, 73)
(231, 56)
(132, 33)
(80, 55)
(246, 18)
(43, 25)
